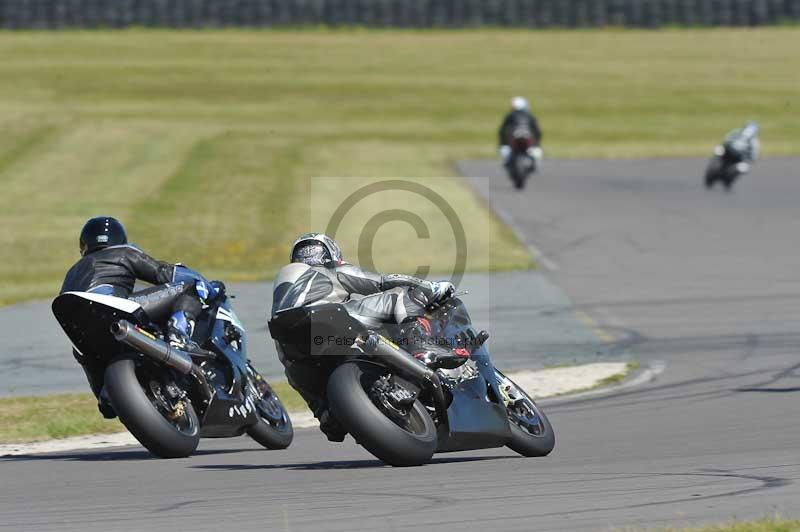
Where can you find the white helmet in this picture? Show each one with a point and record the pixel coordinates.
(518, 103)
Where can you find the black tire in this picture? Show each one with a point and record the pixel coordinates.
(274, 428)
(524, 439)
(730, 178)
(715, 166)
(371, 428)
(520, 172)
(141, 417)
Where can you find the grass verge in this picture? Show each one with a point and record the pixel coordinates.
(37, 418)
(206, 142)
(774, 524)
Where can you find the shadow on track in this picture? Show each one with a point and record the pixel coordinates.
(770, 390)
(340, 464)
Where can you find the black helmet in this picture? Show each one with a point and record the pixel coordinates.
(101, 232)
(316, 249)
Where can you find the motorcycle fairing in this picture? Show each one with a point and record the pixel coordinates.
(477, 418)
(473, 419)
(86, 318)
(230, 402)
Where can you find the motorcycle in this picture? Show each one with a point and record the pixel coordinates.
(522, 161)
(401, 410)
(726, 165)
(169, 398)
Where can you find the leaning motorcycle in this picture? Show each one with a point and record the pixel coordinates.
(725, 165)
(521, 163)
(168, 398)
(401, 410)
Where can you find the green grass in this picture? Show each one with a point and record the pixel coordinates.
(36, 418)
(289, 397)
(774, 524)
(205, 143)
(24, 419)
(619, 377)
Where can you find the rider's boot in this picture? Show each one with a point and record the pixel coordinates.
(104, 405)
(327, 423)
(425, 347)
(94, 374)
(179, 333)
(440, 358)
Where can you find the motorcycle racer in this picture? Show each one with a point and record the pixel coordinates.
(318, 274)
(109, 265)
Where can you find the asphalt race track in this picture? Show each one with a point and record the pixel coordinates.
(35, 364)
(702, 280)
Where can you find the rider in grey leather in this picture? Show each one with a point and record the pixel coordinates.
(317, 275)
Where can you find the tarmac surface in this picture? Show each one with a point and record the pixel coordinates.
(39, 361)
(657, 268)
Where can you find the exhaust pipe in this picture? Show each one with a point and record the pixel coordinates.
(398, 359)
(160, 351)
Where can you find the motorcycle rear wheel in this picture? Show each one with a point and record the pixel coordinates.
(372, 428)
(139, 411)
(531, 431)
(519, 172)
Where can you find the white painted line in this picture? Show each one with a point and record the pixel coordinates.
(507, 219)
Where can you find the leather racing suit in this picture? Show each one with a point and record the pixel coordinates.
(114, 270)
(373, 299)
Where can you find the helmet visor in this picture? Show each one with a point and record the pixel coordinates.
(311, 253)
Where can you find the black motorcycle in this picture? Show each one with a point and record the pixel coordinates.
(724, 165)
(521, 164)
(401, 410)
(168, 398)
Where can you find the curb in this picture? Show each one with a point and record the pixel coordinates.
(300, 420)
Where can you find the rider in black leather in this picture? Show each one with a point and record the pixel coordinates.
(518, 116)
(317, 275)
(110, 265)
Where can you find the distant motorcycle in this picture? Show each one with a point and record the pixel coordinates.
(733, 157)
(168, 398)
(401, 410)
(522, 161)
(724, 167)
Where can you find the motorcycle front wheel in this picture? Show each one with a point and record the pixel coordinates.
(715, 167)
(399, 438)
(167, 427)
(531, 431)
(274, 428)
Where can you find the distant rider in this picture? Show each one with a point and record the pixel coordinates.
(111, 266)
(519, 120)
(741, 146)
(318, 274)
